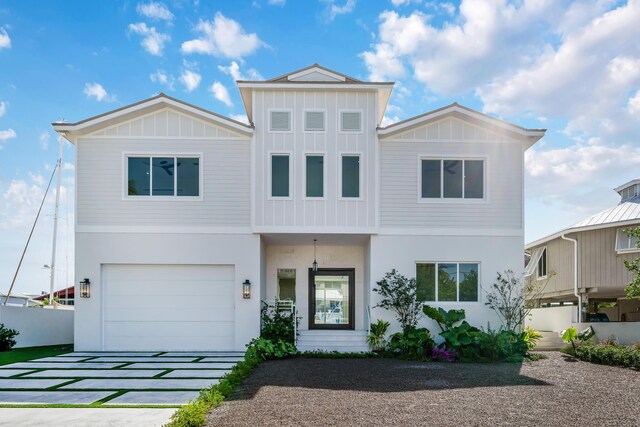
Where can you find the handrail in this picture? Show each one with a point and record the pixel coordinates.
(368, 320)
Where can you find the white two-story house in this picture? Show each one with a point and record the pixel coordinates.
(186, 220)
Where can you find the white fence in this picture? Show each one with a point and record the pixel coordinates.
(625, 333)
(38, 326)
(554, 319)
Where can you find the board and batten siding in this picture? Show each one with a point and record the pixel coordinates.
(225, 165)
(330, 211)
(400, 178)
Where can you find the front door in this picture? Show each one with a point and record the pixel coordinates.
(331, 298)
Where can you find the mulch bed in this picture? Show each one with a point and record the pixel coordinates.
(558, 391)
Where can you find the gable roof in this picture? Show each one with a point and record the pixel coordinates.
(71, 130)
(467, 114)
(315, 68)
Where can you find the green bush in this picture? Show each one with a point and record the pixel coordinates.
(277, 325)
(375, 339)
(7, 338)
(609, 354)
(413, 344)
(495, 346)
(264, 349)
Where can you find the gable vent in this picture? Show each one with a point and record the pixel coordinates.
(350, 121)
(280, 121)
(314, 121)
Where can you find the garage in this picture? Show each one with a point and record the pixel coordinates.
(168, 307)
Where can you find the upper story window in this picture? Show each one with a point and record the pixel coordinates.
(542, 264)
(350, 121)
(629, 192)
(350, 171)
(163, 176)
(280, 121)
(452, 179)
(447, 282)
(314, 175)
(314, 121)
(280, 175)
(626, 243)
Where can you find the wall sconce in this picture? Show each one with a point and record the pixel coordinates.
(246, 289)
(314, 266)
(85, 289)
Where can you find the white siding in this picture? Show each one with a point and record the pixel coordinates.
(298, 212)
(400, 178)
(225, 187)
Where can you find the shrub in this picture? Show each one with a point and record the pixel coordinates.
(532, 337)
(444, 355)
(413, 344)
(7, 337)
(264, 349)
(375, 339)
(496, 346)
(277, 325)
(456, 336)
(399, 295)
(612, 354)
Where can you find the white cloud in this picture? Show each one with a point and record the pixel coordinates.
(334, 9)
(221, 93)
(7, 134)
(190, 79)
(152, 41)
(21, 201)
(233, 70)
(277, 2)
(38, 179)
(155, 10)
(222, 37)
(5, 40)
(386, 120)
(242, 118)
(95, 90)
(3, 108)
(44, 140)
(403, 2)
(633, 106)
(164, 79)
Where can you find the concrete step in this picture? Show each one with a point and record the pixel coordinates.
(328, 340)
(550, 341)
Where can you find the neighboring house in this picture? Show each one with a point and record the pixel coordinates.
(178, 207)
(17, 299)
(64, 296)
(597, 247)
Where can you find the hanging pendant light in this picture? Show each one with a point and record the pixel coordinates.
(315, 263)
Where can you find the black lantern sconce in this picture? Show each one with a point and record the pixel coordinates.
(246, 289)
(314, 266)
(85, 289)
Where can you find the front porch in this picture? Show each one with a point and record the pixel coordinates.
(332, 302)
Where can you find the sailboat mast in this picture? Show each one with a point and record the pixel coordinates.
(55, 223)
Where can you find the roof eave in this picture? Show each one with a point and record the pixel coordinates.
(572, 230)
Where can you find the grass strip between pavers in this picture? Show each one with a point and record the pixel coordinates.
(71, 381)
(161, 374)
(90, 405)
(26, 354)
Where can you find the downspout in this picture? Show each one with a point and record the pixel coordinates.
(575, 275)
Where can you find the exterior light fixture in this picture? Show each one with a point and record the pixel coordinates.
(315, 263)
(85, 289)
(246, 289)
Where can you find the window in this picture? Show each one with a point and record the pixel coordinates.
(350, 121)
(452, 179)
(314, 121)
(625, 242)
(542, 264)
(629, 192)
(280, 175)
(160, 176)
(447, 282)
(280, 121)
(315, 175)
(350, 176)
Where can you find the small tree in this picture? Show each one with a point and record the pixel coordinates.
(633, 288)
(508, 297)
(399, 295)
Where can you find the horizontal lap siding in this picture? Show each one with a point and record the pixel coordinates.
(226, 184)
(400, 184)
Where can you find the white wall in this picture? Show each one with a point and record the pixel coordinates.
(39, 326)
(276, 215)
(94, 249)
(555, 319)
(495, 254)
(300, 258)
(625, 333)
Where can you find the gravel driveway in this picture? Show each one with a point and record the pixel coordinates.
(558, 391)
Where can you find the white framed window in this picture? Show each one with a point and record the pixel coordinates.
(448, 281)
(280, 120)
(629, 192)
(280, 175)
(350, 121)
(626, 243)
(163, 176)
(314, 121)
(542, 265)
(314, 166)
(452, 178)
(350, 176)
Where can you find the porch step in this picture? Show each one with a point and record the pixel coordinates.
(341, 341)
(550, 341)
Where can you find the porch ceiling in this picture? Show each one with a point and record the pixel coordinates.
(323, 239)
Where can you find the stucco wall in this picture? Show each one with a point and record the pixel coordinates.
(39, 326)
(554, 319)
(625, 333)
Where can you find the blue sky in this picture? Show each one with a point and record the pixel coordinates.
(571, 67)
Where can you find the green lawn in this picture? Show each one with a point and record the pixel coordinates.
(30, 353)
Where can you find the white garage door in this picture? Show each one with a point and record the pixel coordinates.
(168, 307)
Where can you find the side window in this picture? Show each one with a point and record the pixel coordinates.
(350, 121)
(350, 165)
(452, 179)
(280, 175)
(163, 176)
(314, 175)
(314, 121)
(280, 121)
(447, 282)
(542, 264)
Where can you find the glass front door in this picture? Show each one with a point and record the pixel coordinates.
(331, 293)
